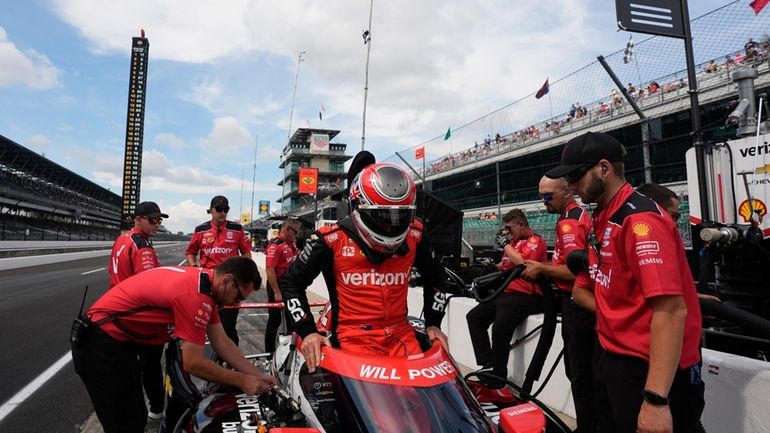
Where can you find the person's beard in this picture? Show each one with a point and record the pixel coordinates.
(594, 190)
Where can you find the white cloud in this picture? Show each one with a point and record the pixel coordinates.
(30, 69)
(38, 142)
(170, 140)
(227, 133)
(183, 216)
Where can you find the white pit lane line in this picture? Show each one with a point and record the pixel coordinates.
(33, 386)
(91, 272)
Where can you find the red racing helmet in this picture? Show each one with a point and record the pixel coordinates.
(382, 206)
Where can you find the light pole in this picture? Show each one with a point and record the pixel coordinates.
(368, 42)
(294, 95)
(253, 178)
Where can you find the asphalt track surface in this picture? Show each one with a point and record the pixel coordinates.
(37, 306)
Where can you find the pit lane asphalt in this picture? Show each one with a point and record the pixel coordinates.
(37, 305)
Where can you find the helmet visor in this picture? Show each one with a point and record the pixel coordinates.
(387, 220)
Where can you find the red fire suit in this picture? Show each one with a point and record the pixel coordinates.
(132, 253)
(367, 291)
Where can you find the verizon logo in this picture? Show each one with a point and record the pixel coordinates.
(218, 250)
(372, 278)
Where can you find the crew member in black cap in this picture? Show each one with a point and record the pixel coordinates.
(216, 240)
(132, 253)
(647, 314)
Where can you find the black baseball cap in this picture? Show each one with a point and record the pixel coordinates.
(219, 200)
(587, 150)
(149, 209)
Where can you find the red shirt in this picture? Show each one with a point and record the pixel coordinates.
(132, 253)
(641, 256)
(572, 230)
(180, 302)
(279, 255)
(531, 247)
(217, 244)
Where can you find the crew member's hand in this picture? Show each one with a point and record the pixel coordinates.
(709, 297)
(311, 350)
(532, 271)
(501, 240)
(654, 419)
(277, 295)
(434, 334)
(257, 384)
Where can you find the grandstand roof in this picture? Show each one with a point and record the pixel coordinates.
(18, 157)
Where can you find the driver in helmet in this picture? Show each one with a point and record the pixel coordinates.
(366, 259)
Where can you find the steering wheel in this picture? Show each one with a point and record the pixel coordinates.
(455, 284)
(487, 287)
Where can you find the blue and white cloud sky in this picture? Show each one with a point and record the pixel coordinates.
(222, 73)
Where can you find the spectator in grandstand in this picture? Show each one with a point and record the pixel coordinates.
(131, 254)
(617, 100)
(640, 94)
(653, 87)
(631, 89)
(749, 47)
(577, 326)
(520, 299)
(281, 252)
(647, 311)
(140, 310)
(729, 61)
(216, 240)
(712, 67)
(573, 111)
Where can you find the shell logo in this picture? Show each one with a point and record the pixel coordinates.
(744, 210)
(641, 229)
(308, 180)
(566, 228)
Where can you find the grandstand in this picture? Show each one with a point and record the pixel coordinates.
(505, 152)
(41, 200)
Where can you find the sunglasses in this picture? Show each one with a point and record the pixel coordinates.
(675, 216)
(549, 195)
(154, 220)
(578, 173)
(222, 209)
(239, 297)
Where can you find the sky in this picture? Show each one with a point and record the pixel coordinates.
(221, 78)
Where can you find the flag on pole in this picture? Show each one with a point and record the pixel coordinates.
(543, 90)
(419, 153)
(758, 5)
(628, 53)
(448, 134)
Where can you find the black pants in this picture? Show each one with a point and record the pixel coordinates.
(580, 342)
(152, 374)
(110, 370)
(274, 322)
(229, 318)
(504, 314)
(619, 384)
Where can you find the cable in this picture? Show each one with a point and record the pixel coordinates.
(550, 373)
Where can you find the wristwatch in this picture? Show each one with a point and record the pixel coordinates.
(654, 398)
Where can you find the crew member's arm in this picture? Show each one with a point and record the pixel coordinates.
(272, 255)
(315, 257)
(584, 297)
(192, 249)
(433, 295)
(651, 251)
(121, 266)
(244, 246)
(246, 377)
(666, 336)
(535, 269)
(515, 256)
